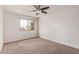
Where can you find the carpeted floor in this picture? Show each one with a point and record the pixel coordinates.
(37, 46)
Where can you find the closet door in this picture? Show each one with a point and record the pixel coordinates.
(1, 27)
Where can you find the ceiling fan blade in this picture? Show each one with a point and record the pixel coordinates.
(38, 6)
(35, 6)
(44, 12)
(45, 8)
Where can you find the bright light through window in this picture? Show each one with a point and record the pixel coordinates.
(26, 24)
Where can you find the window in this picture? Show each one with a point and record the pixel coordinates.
(26, 24)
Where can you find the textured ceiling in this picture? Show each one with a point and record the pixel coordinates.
(23, 9)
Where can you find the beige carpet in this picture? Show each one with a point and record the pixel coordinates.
(37, 46)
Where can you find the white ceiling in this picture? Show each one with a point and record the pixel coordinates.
(23, 9)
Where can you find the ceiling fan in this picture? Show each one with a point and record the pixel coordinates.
(39, 9)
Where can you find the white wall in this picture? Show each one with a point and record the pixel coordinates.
(11, 27)
(61, 25)
(1, 27)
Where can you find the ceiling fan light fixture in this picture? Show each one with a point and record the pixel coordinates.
(38, 12)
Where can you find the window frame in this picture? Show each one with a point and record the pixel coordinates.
(27, 24)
